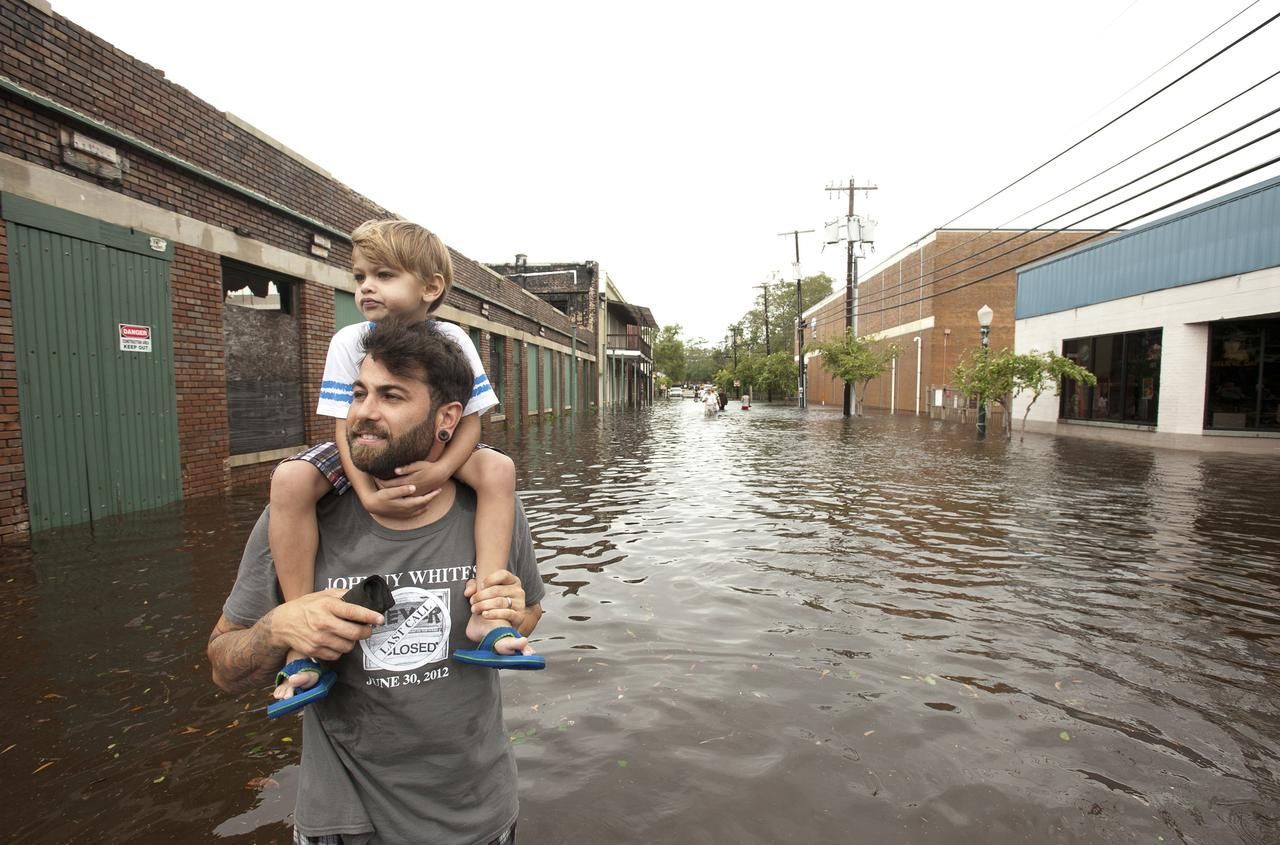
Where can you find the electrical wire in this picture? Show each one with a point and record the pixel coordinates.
(1149, 76)
(1239, 175)
(864, 312)
(1115, 119)
(896, 290)
(887, 292)
(1078, 185)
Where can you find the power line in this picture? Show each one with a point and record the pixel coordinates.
(1241, 174)
(1115, 119)
(888, 291)
(1065, 228)
(1148, 77)
(1097, 175)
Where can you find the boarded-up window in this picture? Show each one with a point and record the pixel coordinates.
(264, 359)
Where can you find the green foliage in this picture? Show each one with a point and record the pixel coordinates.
(1003, 375)
(669, 353)
(686, 361)
(701, 362)
(748, 370)
(782, 314)
(777, 373)
(856, 360)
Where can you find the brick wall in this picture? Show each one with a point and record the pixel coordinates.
(195, 278)
(54, 56)
(576, 284)
(14, 518)
(946, 279)
(51, 56)
(316, 316)
(252, 476)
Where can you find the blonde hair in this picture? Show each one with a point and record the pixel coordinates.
(406, 246)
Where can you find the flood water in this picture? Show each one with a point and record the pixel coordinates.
(765, 627)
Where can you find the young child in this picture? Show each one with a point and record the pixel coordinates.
(399, 268)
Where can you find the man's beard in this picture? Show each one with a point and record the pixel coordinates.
(381, 461)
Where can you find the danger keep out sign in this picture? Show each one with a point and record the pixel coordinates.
(135, 338)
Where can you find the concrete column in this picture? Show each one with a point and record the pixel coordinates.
(1184, 353)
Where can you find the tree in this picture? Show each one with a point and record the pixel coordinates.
(668, 353)
(748, 370)
(782, 314)
(1037, 372)
(701, 361)
(856, 360)
(777, 372)
(1004, 375)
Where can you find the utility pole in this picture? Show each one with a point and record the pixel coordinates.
(767, 351)
(851, 276)
(795, 266)
(734, 330)
(765, 288)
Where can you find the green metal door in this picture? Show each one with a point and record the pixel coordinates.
(94, 345)
(345, 312)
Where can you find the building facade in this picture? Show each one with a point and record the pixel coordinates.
(169, 280)
(924, 301)
(1178, 319)
(623, 331)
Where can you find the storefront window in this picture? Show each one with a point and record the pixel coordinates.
(1243, 390)
(1128, 370)
(1075, 396)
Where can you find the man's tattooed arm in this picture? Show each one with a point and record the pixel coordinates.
(244, 658)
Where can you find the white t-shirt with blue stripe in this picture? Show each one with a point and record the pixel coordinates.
(346, 351)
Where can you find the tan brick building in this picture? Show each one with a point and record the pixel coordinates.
(169, 280)
(931, 290)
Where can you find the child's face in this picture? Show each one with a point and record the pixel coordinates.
(382, 290)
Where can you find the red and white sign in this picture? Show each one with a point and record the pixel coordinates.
(134, 338)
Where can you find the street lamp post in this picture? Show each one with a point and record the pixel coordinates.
(985, 315)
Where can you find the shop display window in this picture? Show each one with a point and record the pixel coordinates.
(1243, 385)
(1128, 370)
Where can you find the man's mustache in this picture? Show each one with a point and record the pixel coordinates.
(369, 428)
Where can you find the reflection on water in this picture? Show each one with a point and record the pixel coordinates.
(766, 627)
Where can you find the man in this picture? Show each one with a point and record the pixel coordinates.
(409, 745)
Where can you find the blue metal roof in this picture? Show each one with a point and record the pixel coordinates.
(1232, 234)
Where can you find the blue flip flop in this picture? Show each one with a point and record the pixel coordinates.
(486, 656)
(318, 690)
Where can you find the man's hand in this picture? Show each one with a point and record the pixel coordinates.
(321, 625)
(501, 599)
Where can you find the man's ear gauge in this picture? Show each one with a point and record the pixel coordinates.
(443, 436)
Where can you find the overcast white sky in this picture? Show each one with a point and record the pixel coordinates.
(672, 142)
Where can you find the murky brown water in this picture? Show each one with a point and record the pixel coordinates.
(762, 628)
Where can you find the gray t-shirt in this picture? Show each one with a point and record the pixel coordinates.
(409, 745)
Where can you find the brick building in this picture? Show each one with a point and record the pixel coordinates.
(905, 301)
(169, 280)
(593, 302)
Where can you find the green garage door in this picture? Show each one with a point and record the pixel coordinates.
(93, 340)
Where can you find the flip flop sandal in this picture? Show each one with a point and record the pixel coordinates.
(486, 656)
